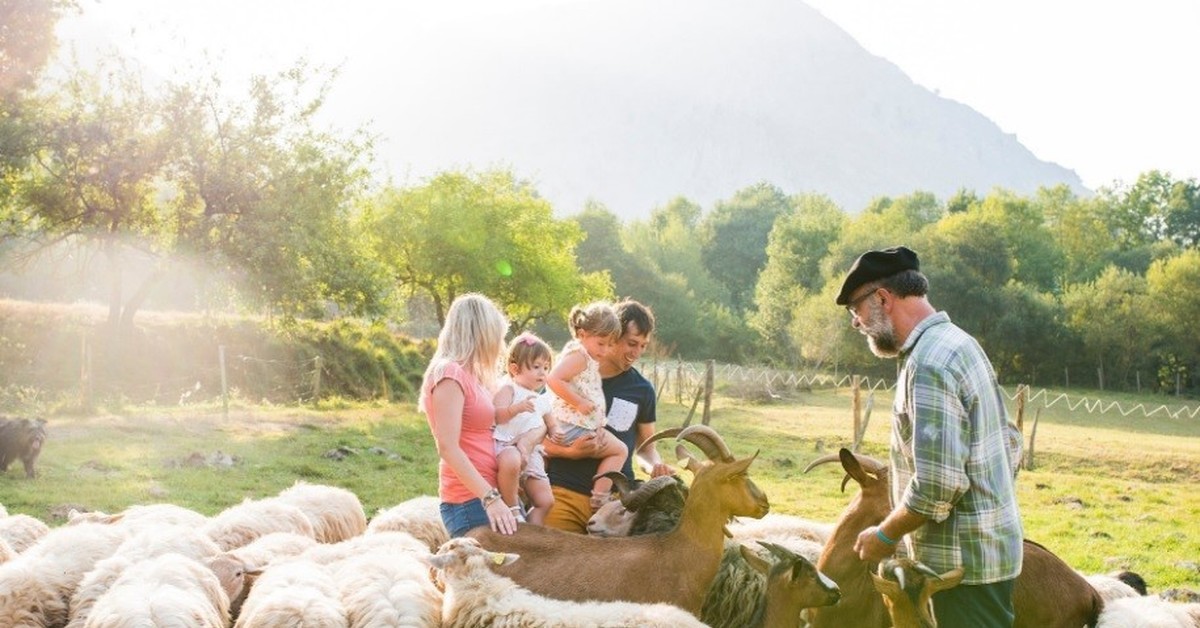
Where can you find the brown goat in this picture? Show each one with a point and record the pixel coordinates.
(907, 597)
(674, 567)
(1047, 593)
(792, 585)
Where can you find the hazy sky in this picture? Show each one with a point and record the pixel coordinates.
(1105, 87)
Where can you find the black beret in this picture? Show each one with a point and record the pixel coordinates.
(874, 265)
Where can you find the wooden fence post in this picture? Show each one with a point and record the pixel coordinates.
(708, 389)
(224, 383)
(85, 372)
(317, 381)
(855, 407)
(679, 383)
(1032, 437)
(1022, 393)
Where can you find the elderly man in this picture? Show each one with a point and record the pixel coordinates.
(954, 453)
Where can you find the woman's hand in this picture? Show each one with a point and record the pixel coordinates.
(500, 517)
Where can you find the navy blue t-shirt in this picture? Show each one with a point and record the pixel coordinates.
(630, 400)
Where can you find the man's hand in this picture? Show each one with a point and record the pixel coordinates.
(870, 546)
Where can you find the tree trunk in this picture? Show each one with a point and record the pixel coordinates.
(140, 295)
(114, 290)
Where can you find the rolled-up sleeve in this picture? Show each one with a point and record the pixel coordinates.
(940, 444)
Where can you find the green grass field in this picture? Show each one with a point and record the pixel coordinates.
(1107, 492)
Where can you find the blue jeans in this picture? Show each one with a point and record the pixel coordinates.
(975, 606)
(462, 517)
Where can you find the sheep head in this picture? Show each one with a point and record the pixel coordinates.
(618, 517)
(908, 595)
(459, 556)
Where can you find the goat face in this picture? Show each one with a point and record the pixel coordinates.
(908, 595)
(737, 493)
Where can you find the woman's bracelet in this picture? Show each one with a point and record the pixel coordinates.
(490, 497)
(883, 537)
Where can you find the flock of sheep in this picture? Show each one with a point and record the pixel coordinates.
(664, 554)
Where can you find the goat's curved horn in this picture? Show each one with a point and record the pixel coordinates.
(822, 460)
(620, 484)
(657, 436)
(707, 439)
(922, 568)
(636, 499)
(899, 571)
(689, 461)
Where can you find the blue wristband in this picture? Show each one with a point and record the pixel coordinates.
(883, 537)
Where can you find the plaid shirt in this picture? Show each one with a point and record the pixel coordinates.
(954, 454)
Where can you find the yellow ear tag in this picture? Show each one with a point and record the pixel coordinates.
(498, 558)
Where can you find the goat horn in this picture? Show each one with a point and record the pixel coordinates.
(707, 439)
(922, 568)
(689, 461)
(637, 498)
(899, 571)
(822, 460)
(620, 484)
(779, 551)
(657, 436)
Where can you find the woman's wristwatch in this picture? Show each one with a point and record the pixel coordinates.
(490, 497)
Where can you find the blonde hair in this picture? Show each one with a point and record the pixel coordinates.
(597, 318)
(526, 349)
(473, 337)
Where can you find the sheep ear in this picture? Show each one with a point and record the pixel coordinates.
(437, 561)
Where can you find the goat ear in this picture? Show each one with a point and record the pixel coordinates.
(949, 580)
(885, 586)
(754, 560)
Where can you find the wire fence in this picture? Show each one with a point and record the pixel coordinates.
(686, 380)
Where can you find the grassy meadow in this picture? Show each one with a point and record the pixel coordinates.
(1107, 492)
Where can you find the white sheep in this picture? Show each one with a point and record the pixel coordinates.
(295, 593)
(36, 585)
(420, 516)
(475, 596)
(168, 591)
(779, 526)
(22, 531)
(242, 523)
(1148, 612)
(262, 553)
(146, 543)
(6, 552)
(388, 591)
(382, 543)
(143, 515)
(336, 514)
(1109, 587)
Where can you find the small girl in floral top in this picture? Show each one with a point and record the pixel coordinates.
(579, 405)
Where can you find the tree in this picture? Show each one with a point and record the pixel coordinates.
(734, 239)
(26, 43)
(1171, 286)
(670, 238)
(483, 232)
(795, 248)
(95, 176)
(1112, 315)
(271, 198)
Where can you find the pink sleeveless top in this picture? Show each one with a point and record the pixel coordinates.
(475, 439)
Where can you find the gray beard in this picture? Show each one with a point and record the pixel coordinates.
(880, 333)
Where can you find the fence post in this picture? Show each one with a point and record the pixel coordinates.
(1138, 376)
(856, 406)
(1032, 437)
(1066, 378)
(224, 383)
(85, 372)
(708, 389)
(679, 383)
(1178, 383)
(317, 381)
(1022, 393)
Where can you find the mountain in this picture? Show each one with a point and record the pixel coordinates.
(633, 102)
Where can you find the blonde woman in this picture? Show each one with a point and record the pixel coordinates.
(456, 396)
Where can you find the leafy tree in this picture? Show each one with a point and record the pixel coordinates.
(1026, 343)
(95, 175)
(670, 238)
(795, 248)
(968, 262)
(487, 232)
(734, 239)
(1111, 315)
(1081, 231)
(1036, 258)
(1171, 285)
(271, 198)
(26, 43)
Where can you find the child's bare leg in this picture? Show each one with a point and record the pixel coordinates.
(539, 493)
(508, 462)
(612, 458)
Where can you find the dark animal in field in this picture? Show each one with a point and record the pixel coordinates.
(21, 439)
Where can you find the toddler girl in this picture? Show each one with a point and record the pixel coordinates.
(522, 421)
(579, 406)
